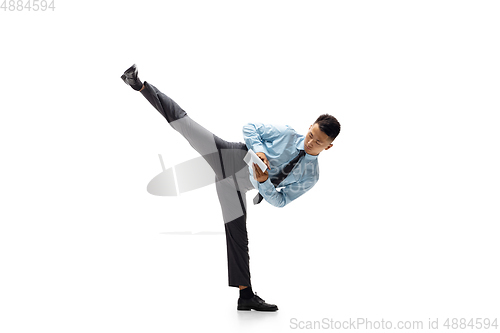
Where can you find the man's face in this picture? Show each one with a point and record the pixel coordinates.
(316, 141)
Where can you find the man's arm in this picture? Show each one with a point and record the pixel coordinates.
(255, 134)
(286, 194)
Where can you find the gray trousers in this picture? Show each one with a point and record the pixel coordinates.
(231, 179)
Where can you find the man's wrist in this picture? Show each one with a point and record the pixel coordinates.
(262, 182)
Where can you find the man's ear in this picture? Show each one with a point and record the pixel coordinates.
(310, 126)
(329, 146)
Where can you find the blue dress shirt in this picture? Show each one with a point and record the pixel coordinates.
(281, 144)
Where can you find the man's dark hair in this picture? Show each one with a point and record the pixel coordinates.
(329, 125)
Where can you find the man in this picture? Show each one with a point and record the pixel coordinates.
(292, 165)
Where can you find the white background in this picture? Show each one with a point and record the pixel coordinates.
(403, 224)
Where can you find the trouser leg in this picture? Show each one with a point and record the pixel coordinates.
(233, 204)
(202, 140)
(225, 158)
(231, 192)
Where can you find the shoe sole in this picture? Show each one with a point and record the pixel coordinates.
(129, 71)
(245, 308)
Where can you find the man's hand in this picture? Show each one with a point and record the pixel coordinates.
(258, 175)
(263, 157)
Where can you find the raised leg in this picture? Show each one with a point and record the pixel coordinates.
(202, 140)
(231, 178)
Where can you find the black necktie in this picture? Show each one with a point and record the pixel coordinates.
(277, 179)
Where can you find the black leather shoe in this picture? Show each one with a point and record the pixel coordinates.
(255, 303)
(130, 77)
